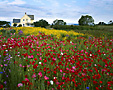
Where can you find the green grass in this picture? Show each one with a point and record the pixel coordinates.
(98, 33)
(105, 27)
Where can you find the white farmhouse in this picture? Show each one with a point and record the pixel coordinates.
(25, 21)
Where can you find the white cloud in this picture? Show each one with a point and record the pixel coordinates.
(17, 2)
(39, 1)
(4, 2)
(67, 5)
(6, 19)
(54, 3)
(101, 3)
(73, 1)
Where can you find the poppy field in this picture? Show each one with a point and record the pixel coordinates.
(38, 60)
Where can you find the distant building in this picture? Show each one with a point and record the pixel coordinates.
(25, 21)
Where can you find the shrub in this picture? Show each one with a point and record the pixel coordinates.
(20, 25)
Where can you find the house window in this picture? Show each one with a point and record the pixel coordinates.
(23, 19)
(26, 19)
(28, 24)
(23, 25)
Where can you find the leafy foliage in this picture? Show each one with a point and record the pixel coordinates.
(74, 27)
(4, 24)
(86, 20)
(110, 22)
(101, 23)
(41, 23)
(58, 22)
(20, 25)
(14, 24)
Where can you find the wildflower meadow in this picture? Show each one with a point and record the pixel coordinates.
(40, 59)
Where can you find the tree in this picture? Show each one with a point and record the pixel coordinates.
(86, 20)
(14, 24)
(4, 23)
(58, 22)
(41, 23)
(20, 25)
(110, 22)
(7, 25)
(101, 23)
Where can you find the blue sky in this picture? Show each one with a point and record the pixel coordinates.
(68, 10)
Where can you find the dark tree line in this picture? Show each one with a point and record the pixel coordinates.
(103, 23)
(44, 23)
(41, 23)
(86, 20)
(4, 24)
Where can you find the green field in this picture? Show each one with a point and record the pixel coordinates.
(96, 31)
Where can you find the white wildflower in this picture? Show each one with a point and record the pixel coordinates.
(70, 41)
(40, 62)
(61, 53)
(54, 77)
(4, 45)
(51, 82)
(11, 57)
(6, 50)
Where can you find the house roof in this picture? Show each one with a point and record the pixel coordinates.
(16, 20)
(31, 16)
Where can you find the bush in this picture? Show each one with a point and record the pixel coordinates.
(73, 27)
(14, 24)
(20, 25)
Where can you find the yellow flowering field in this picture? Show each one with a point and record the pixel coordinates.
(36, 30)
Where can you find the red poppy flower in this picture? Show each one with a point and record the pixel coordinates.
(58, 87)
(94, 82)
(100, 82)
(97, 88)
(48, 72)
(1, 86)
(45, 61)
(75, 85)
(26, 76)
(35, 58)
(33, 62)
(35, 66)
(54, 72)
(48, 83)
(85, 79)
(26, 60)
(44, 69)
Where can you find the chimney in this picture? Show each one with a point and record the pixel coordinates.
(25, 12)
